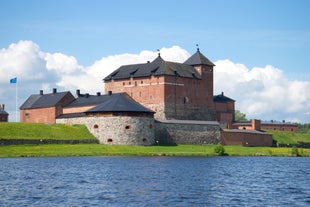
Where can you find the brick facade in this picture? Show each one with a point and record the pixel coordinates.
(246, 138)
(171, 96)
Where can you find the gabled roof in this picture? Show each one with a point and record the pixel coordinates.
(44, 100)
(120, 103)
(222, 98)
(198, 59)
(156, 67)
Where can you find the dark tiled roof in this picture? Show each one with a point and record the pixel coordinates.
(157, 67)
(120, 103)
(198, 59)
(45, 100)
(222, 98)
(89, 100)
(72, 115)
(3, 112)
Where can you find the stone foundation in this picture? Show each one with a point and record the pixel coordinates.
(173, 132)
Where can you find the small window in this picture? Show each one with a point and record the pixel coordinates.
(96, 126)
(123, 83)
(144, 139)
(110, 140)
(127, 127)
(141, 82)
(244, 128)
(140, 94)
(135, 83)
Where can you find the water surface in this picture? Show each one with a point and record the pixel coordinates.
(155, 181)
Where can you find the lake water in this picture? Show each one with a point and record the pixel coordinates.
(155, 181)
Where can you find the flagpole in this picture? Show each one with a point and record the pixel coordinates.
(16, 101)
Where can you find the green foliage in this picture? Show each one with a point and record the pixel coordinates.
(304, 128)
(239, 116)
(9, 130)
(294, 151)
(219, 150)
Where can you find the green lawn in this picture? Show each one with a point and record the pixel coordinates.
(9, 130)
(116, 150)
(283, 137)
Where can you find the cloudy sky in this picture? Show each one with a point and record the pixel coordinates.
(261, 48)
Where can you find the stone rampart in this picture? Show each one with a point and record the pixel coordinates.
(173, 132)
(120, 130)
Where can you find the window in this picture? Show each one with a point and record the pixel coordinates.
(110, 140)
(127, 127)
(96, 126)
(144, 139)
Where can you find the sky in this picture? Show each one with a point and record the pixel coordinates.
(261, 48)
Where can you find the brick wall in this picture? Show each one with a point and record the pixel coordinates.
(246, 138)
(171, 97)
(39, 115)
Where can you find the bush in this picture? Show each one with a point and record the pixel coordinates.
(220, 150)
(294, 151)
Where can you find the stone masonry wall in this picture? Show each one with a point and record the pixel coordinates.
(187, 132)
(120, 130)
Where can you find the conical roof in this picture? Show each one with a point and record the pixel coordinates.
(198, 59)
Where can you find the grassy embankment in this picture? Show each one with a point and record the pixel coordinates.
(56, 131)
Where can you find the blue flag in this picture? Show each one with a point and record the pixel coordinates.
(13, 80)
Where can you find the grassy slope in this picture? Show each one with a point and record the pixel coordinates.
(289, 137)
(43, 131)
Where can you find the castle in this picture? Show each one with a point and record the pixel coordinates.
(154, 102)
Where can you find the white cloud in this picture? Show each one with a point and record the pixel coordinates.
(259, 92)
(263, 92)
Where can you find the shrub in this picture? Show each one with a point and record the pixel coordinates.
(294, 151)
(220, 150)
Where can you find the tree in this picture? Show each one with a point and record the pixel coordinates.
(239, 116)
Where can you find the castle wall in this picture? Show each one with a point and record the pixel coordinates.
(246, 138)
(172, 132)
(171, 97)
(118, 130)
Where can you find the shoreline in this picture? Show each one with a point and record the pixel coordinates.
(74, 150)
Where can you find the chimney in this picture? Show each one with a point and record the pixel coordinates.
(41, 92)
(222, 93)
(98, 93)
(110, 93)
(78, 92)
(87, 95)
(256, 124)
(2, 107)
(54, 90)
